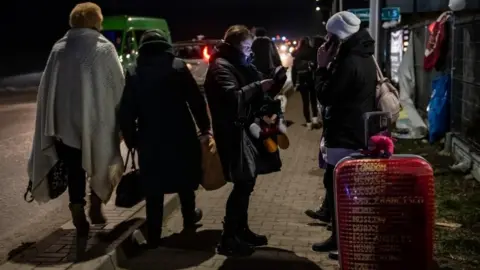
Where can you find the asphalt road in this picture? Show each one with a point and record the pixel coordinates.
(19, 220)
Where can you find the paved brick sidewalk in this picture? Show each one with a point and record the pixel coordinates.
(56, 250)
(276, 210)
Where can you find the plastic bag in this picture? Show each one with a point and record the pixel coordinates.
(439, 108)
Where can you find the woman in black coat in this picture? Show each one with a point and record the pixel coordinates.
(159, 94)
(233, 86)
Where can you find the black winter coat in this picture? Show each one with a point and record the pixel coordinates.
(230, 85)
(347, 91)
(160, 92)
(266, 57)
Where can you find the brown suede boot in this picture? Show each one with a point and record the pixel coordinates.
(80, 222)
(95, 211)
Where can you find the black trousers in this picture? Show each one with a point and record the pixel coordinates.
(325, 201)
(154, 208)
(77, 180)
(238, 203)
(330, 195)
(309, 100)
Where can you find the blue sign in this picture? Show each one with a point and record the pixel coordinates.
(388, 14)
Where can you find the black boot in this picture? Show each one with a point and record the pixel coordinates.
(154, 235)
(231, 244)
(328, 245)
(154, 230)
(190, 220)
(95, 211)
(250, 237)
(322, 213)
(333, 255)
(82, 227)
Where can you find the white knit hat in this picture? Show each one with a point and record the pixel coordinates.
(343, 24)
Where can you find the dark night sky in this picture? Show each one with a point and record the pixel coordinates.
(36, 21)
(33, 26)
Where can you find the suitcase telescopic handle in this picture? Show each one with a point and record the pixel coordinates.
(382, 116)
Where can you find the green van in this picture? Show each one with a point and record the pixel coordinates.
(125, 32)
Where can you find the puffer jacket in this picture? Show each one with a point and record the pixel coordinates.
(347, 91)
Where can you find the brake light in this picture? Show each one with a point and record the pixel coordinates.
(206, 55)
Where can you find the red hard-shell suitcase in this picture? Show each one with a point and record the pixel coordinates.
(385, 213)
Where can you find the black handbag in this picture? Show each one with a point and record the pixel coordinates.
(243, 166)
(129, 190)
(57, 179)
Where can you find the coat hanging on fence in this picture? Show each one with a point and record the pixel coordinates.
(437, 46)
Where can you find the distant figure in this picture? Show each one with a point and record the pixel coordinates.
(78, 95)
(302, 78)
(265, 54)
(169, 152)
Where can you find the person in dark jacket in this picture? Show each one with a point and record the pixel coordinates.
(322, 213)
(265, 54)
(159, 94)
(232, 86)
(346, 82)
(302, 78)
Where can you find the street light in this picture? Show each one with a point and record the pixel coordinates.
(317, 9)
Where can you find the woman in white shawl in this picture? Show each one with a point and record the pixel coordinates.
(77, 98)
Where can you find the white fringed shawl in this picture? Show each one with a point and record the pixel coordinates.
(77, 100)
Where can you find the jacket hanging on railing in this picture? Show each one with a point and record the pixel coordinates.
(436, 48)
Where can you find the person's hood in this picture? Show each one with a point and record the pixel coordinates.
(230, 53)
(155, 50)
(360, 43)
(154, 42)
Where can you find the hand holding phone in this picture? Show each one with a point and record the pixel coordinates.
(327, 51)
(325, 55)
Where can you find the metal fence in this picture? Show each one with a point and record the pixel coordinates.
(465, 99)
(464, 64)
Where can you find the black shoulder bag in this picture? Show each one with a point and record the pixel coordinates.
(243, 166)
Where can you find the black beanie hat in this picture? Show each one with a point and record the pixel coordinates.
(154, 36)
